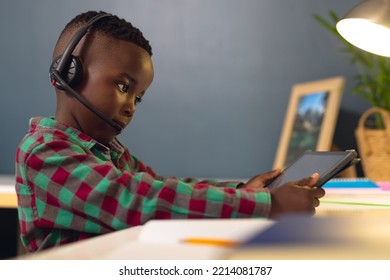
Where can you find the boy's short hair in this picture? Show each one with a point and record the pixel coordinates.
(111, 26)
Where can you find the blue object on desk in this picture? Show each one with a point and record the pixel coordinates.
(362, 183)
(302, 229)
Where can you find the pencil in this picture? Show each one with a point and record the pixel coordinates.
(210, 241)
(354, 203)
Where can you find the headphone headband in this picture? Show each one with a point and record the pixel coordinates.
(65, 58)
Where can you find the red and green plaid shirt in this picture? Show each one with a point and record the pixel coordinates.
(70, 187)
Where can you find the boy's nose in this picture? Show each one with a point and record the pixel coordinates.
(129, 108)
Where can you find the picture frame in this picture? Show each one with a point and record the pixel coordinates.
(310, 119)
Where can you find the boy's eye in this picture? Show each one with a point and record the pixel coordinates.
(123, 87)
(138, 100)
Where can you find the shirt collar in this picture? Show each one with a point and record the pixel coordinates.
(115, 148)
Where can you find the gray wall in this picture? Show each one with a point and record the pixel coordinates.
(223, 75)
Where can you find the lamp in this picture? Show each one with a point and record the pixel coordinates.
(367, 26)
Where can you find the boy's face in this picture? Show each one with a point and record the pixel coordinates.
(116, 76)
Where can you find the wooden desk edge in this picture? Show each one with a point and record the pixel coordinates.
(8, 200)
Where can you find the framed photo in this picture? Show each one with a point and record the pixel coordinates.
(310, 119)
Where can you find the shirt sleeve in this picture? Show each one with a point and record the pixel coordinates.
(139, 166)
(73, 189)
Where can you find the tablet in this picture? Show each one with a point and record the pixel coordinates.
(326, 164)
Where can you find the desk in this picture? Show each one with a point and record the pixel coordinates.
(123, 245)
(9, 234)
(372, 224)
(8, 197)
(371, 243)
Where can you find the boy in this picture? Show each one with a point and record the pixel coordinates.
(75, 180)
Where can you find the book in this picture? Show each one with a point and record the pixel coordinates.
(355, 183)
(353, 195)
(384, 185)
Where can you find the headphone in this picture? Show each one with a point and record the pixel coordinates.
(66, 71)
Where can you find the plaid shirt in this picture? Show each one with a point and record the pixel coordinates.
(71, 187)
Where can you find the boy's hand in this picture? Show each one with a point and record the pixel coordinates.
(300, 196)
(260, 181)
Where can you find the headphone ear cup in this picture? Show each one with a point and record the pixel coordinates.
(71, 75)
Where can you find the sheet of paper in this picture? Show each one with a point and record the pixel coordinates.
(178, 231)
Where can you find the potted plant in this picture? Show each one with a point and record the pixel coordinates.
(372, 81)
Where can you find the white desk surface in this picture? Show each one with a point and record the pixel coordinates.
(123, 245)
(8, 197)
(372, 244)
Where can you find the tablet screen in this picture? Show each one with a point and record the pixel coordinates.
(326, 164)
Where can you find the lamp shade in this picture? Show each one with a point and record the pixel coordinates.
(367, 26)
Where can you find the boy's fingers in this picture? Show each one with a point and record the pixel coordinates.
(272, 174)
(309, 181)
(319, 192)
(316, 202)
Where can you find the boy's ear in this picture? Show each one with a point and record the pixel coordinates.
(68, 67)
(72, 74)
